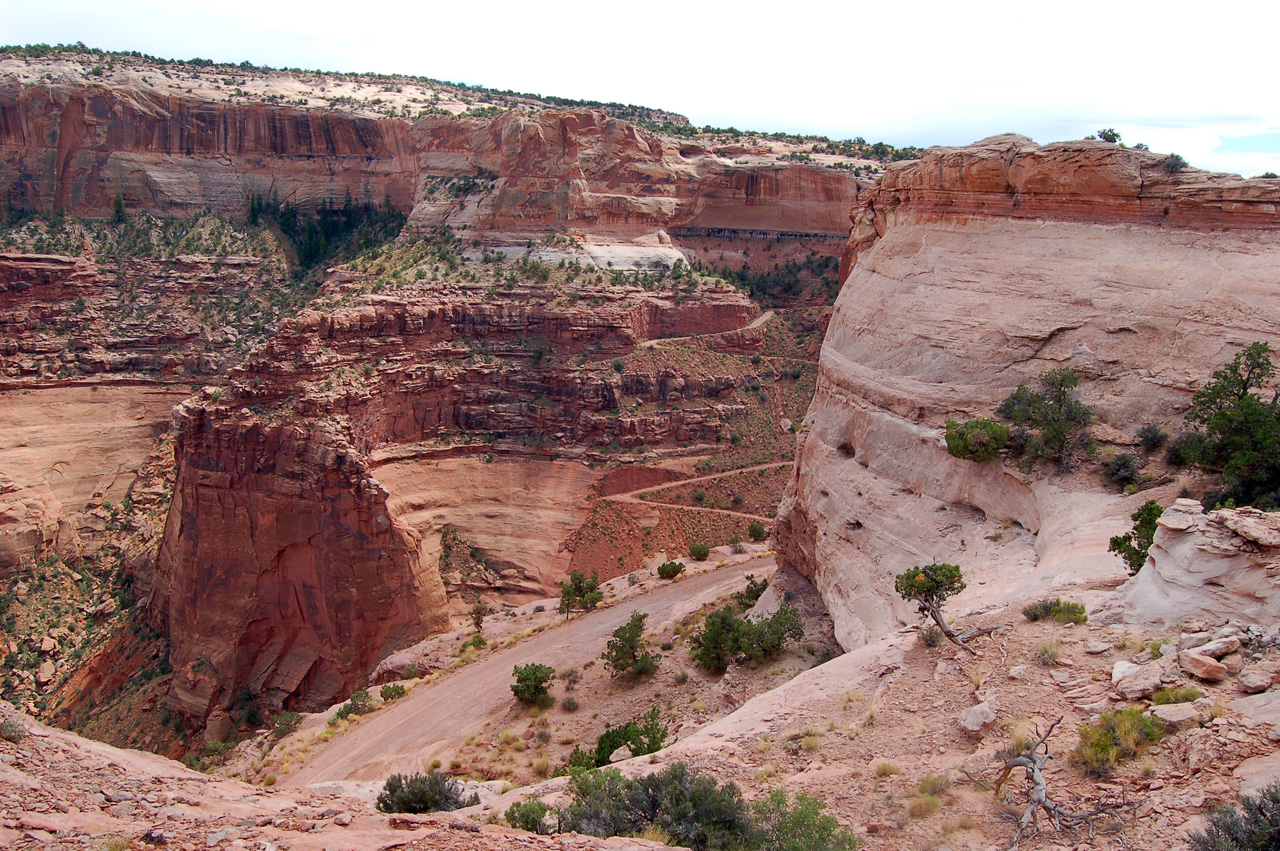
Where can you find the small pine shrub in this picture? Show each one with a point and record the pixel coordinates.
(1174, 164)
(1123, 470)
(527, 815)
(1152, 437)
(670, 569)
(699, 552)
(976, 440)
(627, 651)
(756, 531)
(1185, 449)
(392, 691)
(747, 597)
(530, 687)
(1253, 827)
(360, 703)
(1134, 545)
(1119, 735)
(423, 793)
(286, 723)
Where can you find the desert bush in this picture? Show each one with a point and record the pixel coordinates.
(645, 735)
(1048, 652)
(756, 531)
(423, 793)
(1152, 437)
(1239, 411)
(569, 703)
(781, 825)
(930, 635)
(1176, 694)
(1253, 827)
(1173, 164)
(1056, 609)
(976, 440)
(670, 569)
(627, 651)
(360, 703)
(392, 691)
(12, 731)
(527, 815)
(924, 806)
(1134, 545)
(887, 769)
(725, 638)
(1123, 470)
(530, 687)
(699, 552)
(1056, 419)
(934, 784)
(286, 723)
(747, 597)
(1119, 735)
(580, 593)
(1185, 449)
(478, 612)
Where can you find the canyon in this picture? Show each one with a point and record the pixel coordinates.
(241, 477)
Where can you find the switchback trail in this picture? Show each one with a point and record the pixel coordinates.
(630, 496)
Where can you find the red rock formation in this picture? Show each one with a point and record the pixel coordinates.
(976, 269)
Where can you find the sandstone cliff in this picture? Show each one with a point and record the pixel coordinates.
(974, 270)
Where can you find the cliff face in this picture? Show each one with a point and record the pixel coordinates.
(976, 269)
(303, 541)
(74, 146)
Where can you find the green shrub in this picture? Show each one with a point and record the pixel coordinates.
(1240, 415)
(360, 703)
(527, 815)
(643, 736)
(1117, 736)
(726, 638)
(286, 723)
(12, 731)
(1173, 164)
(699, 552)
(1152, 437)
(569, 703)
(690, 808)
(530, 687)
(670, 569)
(1185, 449)
(931, 635)
(627, 652)
(1123, 470)
(1179, 694)
(1253, 827)
(802, 826)
(580, 593)
(756, 531)
(392, 691)
(749, 596)
(1134, 545)
(1057, 421)
(1057, 610)
(976, 440)
(423, 793)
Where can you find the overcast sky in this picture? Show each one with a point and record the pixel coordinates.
(1196, 80)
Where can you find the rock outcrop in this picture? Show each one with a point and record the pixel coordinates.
(1224, 564)
(973, 270)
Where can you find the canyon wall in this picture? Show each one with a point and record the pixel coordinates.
(976, 269)
(75, 146)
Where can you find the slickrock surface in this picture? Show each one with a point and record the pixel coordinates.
(58, 790)
(976, 269)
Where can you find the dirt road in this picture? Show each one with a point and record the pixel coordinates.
(406, 735)
(631, 496)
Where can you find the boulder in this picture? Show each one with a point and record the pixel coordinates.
(1219, 647)
(1198, 665)
(1177, 714)
(1256, 678)
(620, 754)
(977, 717)
(1140, 682)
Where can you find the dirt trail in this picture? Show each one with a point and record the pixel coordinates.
(406, 735)
(755, 323)
(630, 496)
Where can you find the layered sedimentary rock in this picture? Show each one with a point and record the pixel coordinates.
(304, 537)
(1222, 564)
(974, 270)
(76, 146)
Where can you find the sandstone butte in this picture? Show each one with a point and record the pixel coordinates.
(973, 270)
